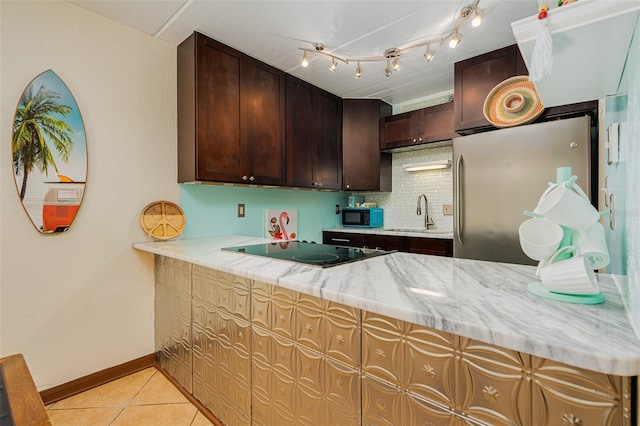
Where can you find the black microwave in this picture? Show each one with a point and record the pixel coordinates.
(363, 217)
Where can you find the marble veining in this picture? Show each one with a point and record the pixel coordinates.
(487, 301)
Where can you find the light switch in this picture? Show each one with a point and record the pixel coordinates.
(240, 210)
(447, 209)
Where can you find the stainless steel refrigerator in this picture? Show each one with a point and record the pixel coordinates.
(499, 174)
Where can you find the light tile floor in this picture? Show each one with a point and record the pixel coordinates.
(140, 399)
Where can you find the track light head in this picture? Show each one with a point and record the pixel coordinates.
(305, 60)
(358, 71)
(429, 54)
(334, 65)
(477, 19)
(455, 40)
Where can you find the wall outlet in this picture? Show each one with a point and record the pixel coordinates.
(240, 210)
(447, 209)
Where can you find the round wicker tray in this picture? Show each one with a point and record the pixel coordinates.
(162, 219)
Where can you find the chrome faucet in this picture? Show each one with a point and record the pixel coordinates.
(427, 220)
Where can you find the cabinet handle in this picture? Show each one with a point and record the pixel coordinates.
(458, 200)
(414, 140)
(340, 240)
(244, 178)
(252, 178)
(317, 183)
(348, 186)
(419, 139)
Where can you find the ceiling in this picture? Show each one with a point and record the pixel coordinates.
(273, 32)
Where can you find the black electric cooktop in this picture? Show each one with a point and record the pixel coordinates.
(323, 255)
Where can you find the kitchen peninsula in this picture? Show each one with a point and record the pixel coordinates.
(404, 336)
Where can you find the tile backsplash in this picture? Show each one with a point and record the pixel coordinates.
(400, 205)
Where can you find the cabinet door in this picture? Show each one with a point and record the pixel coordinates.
(327, 166)
(300, 124)
(314, 136)
(361, 147)
(343, 239)
(473, 80)
(265, 124)
(433, 246)
(218, 111)
(399, 130)
(437, 123)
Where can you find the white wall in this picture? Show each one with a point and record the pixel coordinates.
(79, 302)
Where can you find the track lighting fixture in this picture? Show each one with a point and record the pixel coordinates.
(392, 56)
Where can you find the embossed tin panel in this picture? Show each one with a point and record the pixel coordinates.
(495, 393)
(241, 300)
(485, 351)
(310, 371)
(309, 407)
(342, 393)
(382, 351)
(310, 320)
(430, 366)
(283, 397)
(564, 404)
(420, 412)
(547, 370)
(283, 312)
(210, 319)
(261, 392)
(342, 333)
(284, 356)
(260, 408)
(381, 403)
(261, 305)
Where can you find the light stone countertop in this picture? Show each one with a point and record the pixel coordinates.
(397, 231)
(487, 301)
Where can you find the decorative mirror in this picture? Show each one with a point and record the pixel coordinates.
(49, 153)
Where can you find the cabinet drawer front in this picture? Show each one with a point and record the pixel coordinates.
(383, 242)
(343, 239)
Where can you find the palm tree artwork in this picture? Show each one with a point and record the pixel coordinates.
(48, 135)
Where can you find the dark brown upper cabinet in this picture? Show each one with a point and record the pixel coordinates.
(365, 168)
(473, 80)
(231, 115)
(415, 128)
(314, 136)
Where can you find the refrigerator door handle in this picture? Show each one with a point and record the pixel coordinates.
(458, 199)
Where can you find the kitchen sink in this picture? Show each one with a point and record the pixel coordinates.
(419, 230)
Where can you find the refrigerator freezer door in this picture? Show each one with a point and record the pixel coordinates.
(500, 174)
